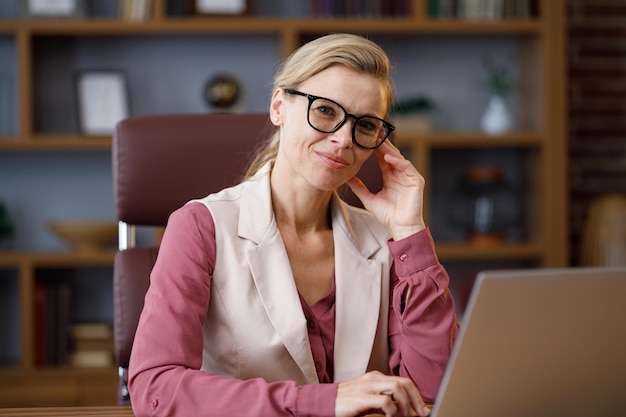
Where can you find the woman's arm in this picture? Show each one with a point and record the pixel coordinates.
(165, 375)
(422, 321)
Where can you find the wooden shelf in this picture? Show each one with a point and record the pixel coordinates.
(433, 139)
(247, 25)
(470, 139)
(48, 142)
(56, 259)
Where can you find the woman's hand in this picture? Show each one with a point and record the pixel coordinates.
(375, 392)
(399, 204)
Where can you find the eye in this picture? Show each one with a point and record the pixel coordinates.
(326, 109)
(368, 125)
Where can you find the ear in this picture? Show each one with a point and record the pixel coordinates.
(276, 107)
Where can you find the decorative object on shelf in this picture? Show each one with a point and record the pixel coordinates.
(134, 10)
(485, 205)
(234, 7)
(413, 114)
(6, 227)
(53, 8)
(102, 97)
(496, 118)
(85, 235)
(604, 234)
(222, 92)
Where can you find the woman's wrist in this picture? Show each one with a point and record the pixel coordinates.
(401, 232)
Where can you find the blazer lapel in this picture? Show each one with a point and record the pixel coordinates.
(358, 292)
(271, 272)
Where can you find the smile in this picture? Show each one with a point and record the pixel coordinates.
(333, 161)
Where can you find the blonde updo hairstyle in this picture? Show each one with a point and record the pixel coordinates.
(351, 51)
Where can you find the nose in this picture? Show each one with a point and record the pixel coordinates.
(343, 135)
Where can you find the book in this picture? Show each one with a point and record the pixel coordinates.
(91, 358)
(91, 331)
(52, 316)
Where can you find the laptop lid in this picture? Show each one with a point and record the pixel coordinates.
(540, 343)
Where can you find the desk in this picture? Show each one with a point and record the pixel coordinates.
(107, 411)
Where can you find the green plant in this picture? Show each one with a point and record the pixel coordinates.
(498, 80)
(413, 105)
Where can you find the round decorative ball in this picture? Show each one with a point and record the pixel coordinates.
(222, 91)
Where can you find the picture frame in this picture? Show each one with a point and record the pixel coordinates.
(53, 8)
(222, 7)
(103, 100)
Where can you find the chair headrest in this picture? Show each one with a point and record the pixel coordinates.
(161, 162)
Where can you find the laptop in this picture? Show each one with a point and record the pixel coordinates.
(540, 343)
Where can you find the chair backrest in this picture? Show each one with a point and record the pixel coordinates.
(160, 163)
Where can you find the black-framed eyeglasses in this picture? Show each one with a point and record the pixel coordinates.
(327, 116)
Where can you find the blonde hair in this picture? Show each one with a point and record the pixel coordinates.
(351, 51)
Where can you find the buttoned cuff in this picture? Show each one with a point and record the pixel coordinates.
(413, 253)
(316, 400)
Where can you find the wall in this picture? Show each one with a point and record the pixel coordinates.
(597, 105)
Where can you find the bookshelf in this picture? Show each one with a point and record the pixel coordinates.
(48, 168)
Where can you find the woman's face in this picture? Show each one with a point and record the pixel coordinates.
(324, 160)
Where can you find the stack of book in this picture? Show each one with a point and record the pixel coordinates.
(91, 345)
(360, 8)
(482, 9)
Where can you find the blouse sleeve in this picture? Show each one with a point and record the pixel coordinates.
(422, 320)
(164, 376)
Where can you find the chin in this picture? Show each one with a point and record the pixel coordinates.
(329, 184)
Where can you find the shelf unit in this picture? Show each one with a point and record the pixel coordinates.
(44, 48)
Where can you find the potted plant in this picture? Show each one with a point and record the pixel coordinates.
(413, 114)
(500, 84)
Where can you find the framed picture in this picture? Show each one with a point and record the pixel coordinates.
(53, 8)
(223, 7)
(102, 101)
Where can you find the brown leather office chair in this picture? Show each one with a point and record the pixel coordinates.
(159, 163)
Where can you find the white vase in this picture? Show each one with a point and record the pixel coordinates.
(496, 118)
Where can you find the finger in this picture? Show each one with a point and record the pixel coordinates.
(417, 403)
(389, 406)
(402, 402)
(388, 148)
(409, 399)
(401, 392)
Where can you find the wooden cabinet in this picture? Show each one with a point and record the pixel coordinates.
(167, 60)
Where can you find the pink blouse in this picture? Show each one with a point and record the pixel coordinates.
(421, 334)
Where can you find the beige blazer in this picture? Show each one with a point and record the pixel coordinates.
(255, 325)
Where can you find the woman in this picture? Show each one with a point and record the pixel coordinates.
(275, 298)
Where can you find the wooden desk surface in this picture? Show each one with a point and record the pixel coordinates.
(108, 411)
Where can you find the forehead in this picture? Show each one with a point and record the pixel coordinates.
(358, 93)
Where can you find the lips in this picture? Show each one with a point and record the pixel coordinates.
(332, 160)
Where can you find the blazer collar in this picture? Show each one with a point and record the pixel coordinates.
(257, 215)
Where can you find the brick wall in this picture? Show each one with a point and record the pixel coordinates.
(597, 105)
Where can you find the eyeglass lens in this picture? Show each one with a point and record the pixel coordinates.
(328, 116)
